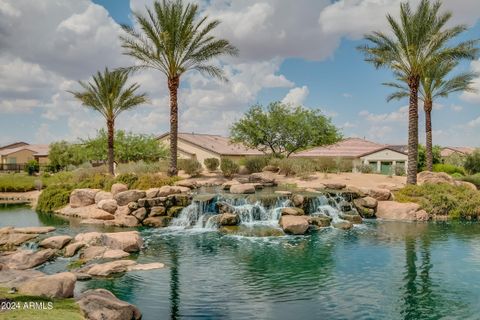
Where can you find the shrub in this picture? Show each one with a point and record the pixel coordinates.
(256, 164)
(211, 164)
(141, 167)
(16, 183)
(190, 166)
(148, 181)
(475, 179)
(343, 165)
(128, 179)
(54, 197)
(364, 168)
(457, 175)
(229, 167)
(472, 162)
(295, 166)
(448, 168)
(399, 170)
(443, 199)
(32, 167)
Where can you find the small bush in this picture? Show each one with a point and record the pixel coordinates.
(448, 168)
(399, 170)
(343, 165)
(472, 162)
(53, 198)
(142, 167)
(443, 199)
(457, 176)
(364, 168)
(148, 181)
(475, 179)
(190, 166)
(295, 166)
(256, 164)
(128, 179)
(229, 167)
(16, 183)
(32, 167)
(211, 164)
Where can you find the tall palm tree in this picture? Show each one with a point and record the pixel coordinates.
(173, 39)
(419, 39)
(433, 86)
(110, 95)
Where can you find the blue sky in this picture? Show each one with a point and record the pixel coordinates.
(283, 56)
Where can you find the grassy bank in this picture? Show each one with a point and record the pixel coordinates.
(63, 309)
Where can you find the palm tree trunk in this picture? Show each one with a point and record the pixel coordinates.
(413, 84)
(173, 84)
(110, 138)
(428, 132)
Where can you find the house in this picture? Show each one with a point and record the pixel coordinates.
(203, 146)
(461, 151)
(16, 155)
(382, 158)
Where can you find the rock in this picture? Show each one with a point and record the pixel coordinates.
(258, 231)
(117, 188)
(355, 190)
(292, 211)
(390, 186)
(466, 184)
(366, 213)
(191, 184)
(108, 205)
(335, 185)
(229, 219)
(97, 252)
(103, 195)
(298, 200)
(9, 240)
(123, 210)
(88, 212)
(56, 242)
(344, 225)
(283, 193)
(243, 170)
(434, 178)
(91, 238)
(320, 221)
(366, 202)
(157, 222)
(242, 188)
(168, 190)
(140, 214)
(125, 221)
(157, 211)
(36, 230)
(82, 197)
(353, 218)
(182, 200)
(146, 266)
(108, 268)
(101, 304)
(129, 241)
(380, 194)
(132, 206)
(94, 221)
(391, 210)
(174, 211)
(267, 178)
(422, 215)
(82, 276)
(60, 285)
(26, 259)
(10, 278)
(152, 193)
(294, 224)
(270, 168)
(125, 197)
(227, 185)
(72, 249)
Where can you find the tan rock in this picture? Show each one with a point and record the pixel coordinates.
(36, 230)
(245, 188)
(72, 249)
(146, 266)
(125, 221)
(191, 184)
(101, 304)
(283, 193)
(90, 238)
(152, 193)
(298, 200)
(169, 190)
(294, 224)
(125, 197)
(334, 185)
(391, 210)
(129, 241)
(15, 239)
(292, 211)
(140, 214)
(466, 184)
(82, 197)
(118, 187)
(56, 242)
(88, 212)
(60, 285)
(122, 211)
(229, 219)
(380, 194)
(103, 195)
(98, 252)
(108, 268)
(157, 222)
(26, 259)
(434, 178)
(157, 211)
(108, 205)
(344, 225)
(227, 185)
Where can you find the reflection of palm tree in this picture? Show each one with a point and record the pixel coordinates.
(174, 280)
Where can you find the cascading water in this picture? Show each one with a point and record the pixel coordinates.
(331, 205)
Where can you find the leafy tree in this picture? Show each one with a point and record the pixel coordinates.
(173, 39)
(62, 154)
(419, 40)
(422, 156)
(281, 129)
(472, 162)
(110, 95)
(433, 86)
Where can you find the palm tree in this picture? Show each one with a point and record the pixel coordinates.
(433, 86)
(420, 39)
(173, 39)
(109, 94)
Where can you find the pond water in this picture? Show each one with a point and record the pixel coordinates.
(378, 270)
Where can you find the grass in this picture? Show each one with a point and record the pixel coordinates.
(458, 202)
(63, 309)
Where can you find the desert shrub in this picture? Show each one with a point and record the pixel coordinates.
(472, 162)
(211, 164)
(32, 167)
(448, 168)
(16, 183)
(148, 181)
(343, 165)
(229, 167)
(457, 175)
(256, 164)
(456, 159)
(94, 181)
(54, 197)
(190, 166)
(443, 199)
(364, 168)
(399, 170)
(62, 177)
(295, 166)
(325, 164)
(141, 167)
(475, 179)
(128, 179)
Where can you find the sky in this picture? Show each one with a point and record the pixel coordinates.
(301, 52)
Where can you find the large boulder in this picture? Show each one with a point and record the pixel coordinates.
(335, 185)
(99, 252)
(125, 197)
(108, 205)
(108, 268)
(467, 184)
(90, 238)
(291, 211)
(380, 194)
(298, 200)
(88, 212)
(60, 285)
(127, 241)
(242, 188)
(191, 184)
(10, 240)
(122, 210)
(434, 178)
(101, 304)
(343, 224)
(320, 221)
(36, 230)
(157, 211)
(392, 210)
(294, 224)
(56, 242)
(157, 222)
(72, 249)
(82, 197)
(103, 195)
(140, 214)
(117, 188)
(169, 190)
(366, 206)
(152, 193)
(126, 221)
(26, 259)
(229, 219)
(10, 278)
(267, 178)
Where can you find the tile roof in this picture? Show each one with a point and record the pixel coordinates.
(13, 145)
(446, 151)
(215, 143)
(38, 149)
(350, 148)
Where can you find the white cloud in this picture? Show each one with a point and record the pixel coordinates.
(474, 123)
(296, 96)
(456, 108)
(473, 97)
(347, 95)
(400, 115)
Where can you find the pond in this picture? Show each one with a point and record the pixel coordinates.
(377, 270)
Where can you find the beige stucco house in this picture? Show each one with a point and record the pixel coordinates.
(20, 153)
(203, 146)
(382, 158)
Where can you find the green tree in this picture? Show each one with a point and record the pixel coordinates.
(281, 129)
(110, 95)
(63, 154)
(422, 156)
(434, 85)
(173, 39)
(419, 40)
(472, 162)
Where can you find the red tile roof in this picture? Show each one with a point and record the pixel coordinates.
(37, 149)
(449, 150)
